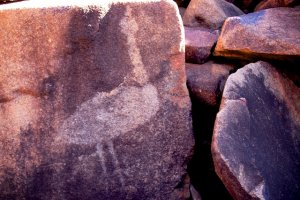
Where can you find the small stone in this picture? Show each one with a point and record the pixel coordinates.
(206, 81)
(199, 44)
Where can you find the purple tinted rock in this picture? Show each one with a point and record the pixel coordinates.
(256, 141)
(206, 81)
(198, 44)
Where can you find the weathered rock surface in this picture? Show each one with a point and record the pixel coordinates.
(206, 82)
(209, 13)
(256, 141)
(198, 44)
(267, 34)
(276, 3)
(93, 100)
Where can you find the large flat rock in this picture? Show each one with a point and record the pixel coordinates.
(256, 141)
(93, 100)
(267, 34)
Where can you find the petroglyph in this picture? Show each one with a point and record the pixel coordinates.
(116, 161)
(99, 152)
(108, 115)
(129, 27)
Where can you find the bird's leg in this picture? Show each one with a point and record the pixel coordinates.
(99, 152)
(116, 162)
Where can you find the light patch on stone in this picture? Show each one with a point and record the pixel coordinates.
(116, 163)
(275, 83)
(99, 152)
(18, 113)
(129, 27)
(108, 115)
(182, 33)
(259, 69)
(258, 191)
(236, 78)
(243, 177)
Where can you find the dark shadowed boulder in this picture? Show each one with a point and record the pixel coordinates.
(181, 11)
(199, 44)
(206, 81)
(245, 5)
(267, 34)
(93, 97)
(256, 141)
(209, 13)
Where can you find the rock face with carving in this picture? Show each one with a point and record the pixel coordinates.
(93, 100)
(256, 142)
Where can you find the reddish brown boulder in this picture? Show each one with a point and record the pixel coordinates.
(93, 98)
(267, 34)
(206, 81)
(198, 44)
(256, 141)
(275, 3)
(209, 13)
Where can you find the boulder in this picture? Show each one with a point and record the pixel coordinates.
(267, 34)
(209, 13)
(206, 81)
(93, 100)
(182, 3)
(245, 5)
(199, 44)
(275, 3)
(256, 139)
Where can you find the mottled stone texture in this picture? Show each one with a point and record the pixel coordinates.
(256, 141)
(265, 4)
(209, 13)
(199, 44)
(267, 34)
(93, 100)
(206, 82)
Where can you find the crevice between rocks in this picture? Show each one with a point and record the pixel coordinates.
(201, 168)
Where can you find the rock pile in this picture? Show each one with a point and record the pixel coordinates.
(256, 136)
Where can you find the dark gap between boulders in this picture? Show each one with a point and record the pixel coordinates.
(201, 168)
